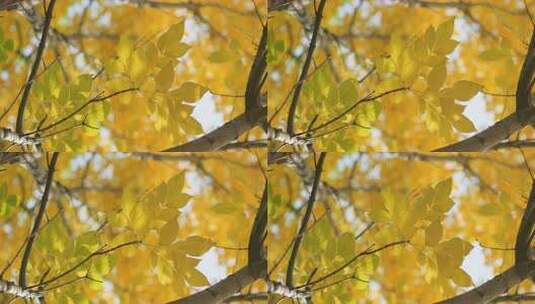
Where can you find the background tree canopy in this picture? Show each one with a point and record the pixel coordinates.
(267, 151)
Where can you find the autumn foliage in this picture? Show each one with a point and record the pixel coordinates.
(267, 151)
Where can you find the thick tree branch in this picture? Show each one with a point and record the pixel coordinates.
(10, 288)
(524, 114)
(9, 135)
(255, 269)
(491, 136)
(38, 219)
(39, 54)
(256, 76)
(306, 66)
(304, 222)
(496, 286)
(255, 110)
(526, 231)
(522, 297)
(225, 134)
(300, 296)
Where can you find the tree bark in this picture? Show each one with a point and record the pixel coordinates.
(496, 286)
(228, 287)
(11, 288)
(490, 137)
(224, 134)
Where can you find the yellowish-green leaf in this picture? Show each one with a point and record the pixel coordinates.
(461, 278)
(464, 90)
(446, 46)
(345, 245)
(219, 56)
(348, 91)
(195, 245)
(225, 208)
(445, 30)
(169, 43)
(164, 79)
(493, 54)
(195, 278)
(463, 124)
(433, 233)
(190, 91)
(437, 77)
(169, 232)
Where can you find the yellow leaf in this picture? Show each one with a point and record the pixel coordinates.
(436, 77)
(345, 245)
(445, 30)
(165, 78)
(493, 54)
(433, 233)
(192, 126)
(443, 190)
(461, 278)
(446, 46)
(190, 91)
(464, 90)
(169, 43)
(196, 279)
(225, 208)
(463, 124)
(169, 232)
(178, 200)
(195, 245)
(348, 91)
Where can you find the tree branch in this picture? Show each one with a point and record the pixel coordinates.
(255, 269)
(8, 135)
(306, 66)
(304, 222)
(491, 136)
(255, 110)
(38, 219)
(524, 114)
(496, 286)
(525, 232)
(224, 134)
(7, 287)
(98, 252)
(39, 54)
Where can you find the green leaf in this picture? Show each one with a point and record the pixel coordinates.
(9, 45)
